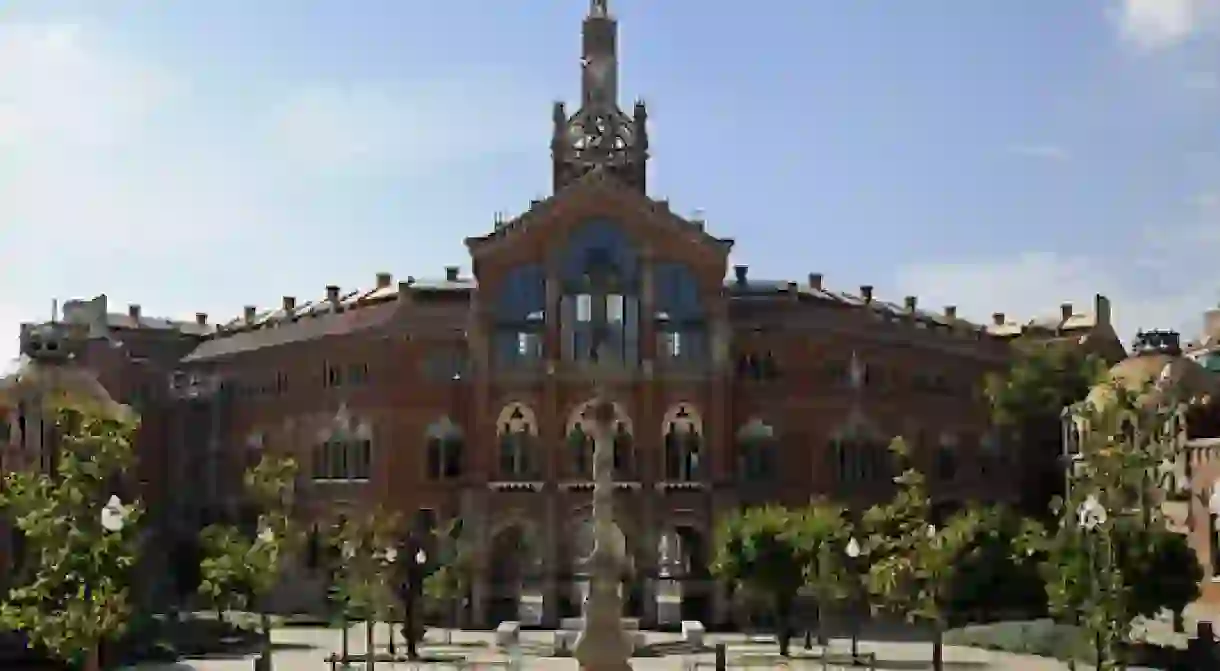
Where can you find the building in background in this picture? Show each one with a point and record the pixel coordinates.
(461, 396)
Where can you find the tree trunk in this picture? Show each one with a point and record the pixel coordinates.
(938, 646)
(265, 622)
(93, 659)
(370, 653)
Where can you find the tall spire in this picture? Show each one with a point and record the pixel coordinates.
(599, 59)
(600, 134)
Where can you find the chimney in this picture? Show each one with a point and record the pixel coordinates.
(332, 294)
(133, 311)
(741, 273)
(384, 280)
(250, 311)
(404, 288)
(290, 303)
(997, 318)
(1101, 310)
(866, 292)
(794, 290)
(815, 281)
(201, 318)
(950, 312)
(911, 303)
(451, 273)
(1066, 311)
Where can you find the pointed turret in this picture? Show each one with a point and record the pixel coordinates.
(599, 134)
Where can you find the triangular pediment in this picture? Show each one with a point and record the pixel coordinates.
(600, 193)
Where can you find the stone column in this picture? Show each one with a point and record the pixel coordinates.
(550, 586)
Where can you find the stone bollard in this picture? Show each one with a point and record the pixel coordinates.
(1202, 648)
(722, 657)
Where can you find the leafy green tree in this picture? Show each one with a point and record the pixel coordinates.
(913, 562)
(368, 546)
(1122, 435)
(1027, 402)
(223, 570)
(80, 539)
(249, 568)
(823, 533)
(447, 585)
(763, 550)
(999, 570)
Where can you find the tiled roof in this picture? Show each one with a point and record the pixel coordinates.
(318, 325)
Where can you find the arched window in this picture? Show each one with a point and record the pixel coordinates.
(859, 452)
(444, 441)
(756, 451)
(517, 431)
(343, 451)
(683, 442)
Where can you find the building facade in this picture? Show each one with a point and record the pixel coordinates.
(461, 397)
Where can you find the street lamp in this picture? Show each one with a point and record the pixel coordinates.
(113, 519)
(854, 551)
(408, 593)
(1091, 517)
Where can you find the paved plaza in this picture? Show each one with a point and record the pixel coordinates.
(305, 649)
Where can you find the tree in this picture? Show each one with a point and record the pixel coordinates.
(81, 538)
(914, 562)
(1027, 403)
(762, 550)
(447, 585)
(999, 570)
(1123, 435)
(823, 534)
(241, 571)
(368, 547)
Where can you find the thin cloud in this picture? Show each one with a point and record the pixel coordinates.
(1048, 152)
(1153, 25)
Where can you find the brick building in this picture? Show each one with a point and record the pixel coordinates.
(462, 396)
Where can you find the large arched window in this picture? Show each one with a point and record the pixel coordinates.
(860, 452)
(580, 443)
(600, 251)
(756, 451)
(343, 451)
(682, 434)
(444, 441)
(517, 432)
(520, 316)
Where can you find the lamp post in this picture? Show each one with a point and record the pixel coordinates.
(854, 552)
(408, 593)
(1090, 519)
(113, 519)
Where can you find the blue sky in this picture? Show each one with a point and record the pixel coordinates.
(1001, 156)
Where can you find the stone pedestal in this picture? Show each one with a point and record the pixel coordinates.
(669, 602)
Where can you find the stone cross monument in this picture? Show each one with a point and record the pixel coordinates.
(603, 645)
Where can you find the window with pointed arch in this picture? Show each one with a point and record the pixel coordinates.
(859, 456)
(444, 442)
(517, 432)
(683, 444)
(343, 452)
(756, 446)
